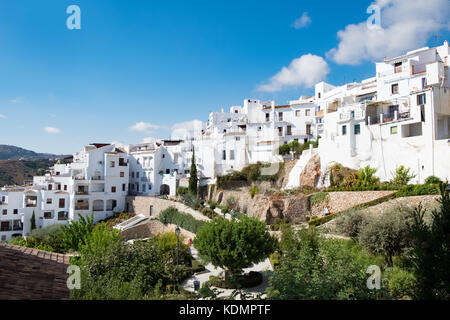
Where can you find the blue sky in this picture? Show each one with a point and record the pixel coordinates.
(166, 62)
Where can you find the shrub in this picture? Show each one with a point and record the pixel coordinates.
(230, 202)
(351, 223)
(181, 191)
(75, 234)
(433, 180)
(234, 245)
(183, 220)
(402, 283)
(387, 235)
(254, 191)
(366, 177)
(208, 212)
(319, 198)
(418, 189)
(167, 242)
(402, 176)
(274, 259)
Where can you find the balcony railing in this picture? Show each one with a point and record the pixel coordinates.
(82, 207)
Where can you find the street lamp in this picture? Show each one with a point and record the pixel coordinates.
(177, 232)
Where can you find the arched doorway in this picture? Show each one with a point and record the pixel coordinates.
(164, 190)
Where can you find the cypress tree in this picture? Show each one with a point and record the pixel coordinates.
(33, 222)
(193, 180)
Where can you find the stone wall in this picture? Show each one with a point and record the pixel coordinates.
(343, 200)
(141, 205)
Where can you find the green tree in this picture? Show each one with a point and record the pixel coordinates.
(431, 250)
(193, 180)
(402, 176)
(314, 268)
(234, 245)
(76, 233)
(33, 222)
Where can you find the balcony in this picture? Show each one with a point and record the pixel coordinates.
(388, 117)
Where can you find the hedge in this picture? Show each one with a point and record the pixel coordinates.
(183, 220)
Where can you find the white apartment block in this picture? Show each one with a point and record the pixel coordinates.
(96, 182)
(399, 117)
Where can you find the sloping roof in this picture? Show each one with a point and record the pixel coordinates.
(31, 274)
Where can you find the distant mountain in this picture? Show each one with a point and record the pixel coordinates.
(8, 152)
(15, 172)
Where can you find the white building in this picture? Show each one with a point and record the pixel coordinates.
(96, 182)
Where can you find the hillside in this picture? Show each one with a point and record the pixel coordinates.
(14, 172)
(8, 152)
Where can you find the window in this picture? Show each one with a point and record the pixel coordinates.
(58, 187)
(267, 117)
(62, 215)
(318, 95)
(344, 130)
(62, 203)
(424, 83)
(47, 215)
(163, 155)
(151, 211)
(394, 130)
(16, 211)
(50, 187)
(238, 138)
(137, 175)
(122, 174)
(259, 128)
(65, 187)
(224, 155)
(112, 164)
(394, 88)
(5, 212)
(280, 116)
(124, 188)
(357, 129)
(132, 174)
(231, 154)
(421, 99)
(289, 130)
(167, 171)
(49, 200)
(307, 112)
(113, 189)
(143, 188)
(280, 131)
(398, 67)
(297, 113)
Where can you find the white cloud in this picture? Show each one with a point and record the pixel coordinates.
(405, 25)
(52, 130)
(2, 116)
(149, 140)
(186, 130)
(304, 71)
(145, 127)
(302, 22)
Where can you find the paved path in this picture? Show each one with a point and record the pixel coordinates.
(264, 267)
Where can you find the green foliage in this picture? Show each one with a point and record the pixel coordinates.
(234, 245)
(314, 268)
(402, 176)
(230, 202)
(274, 259)
(317, 221)
(279, 224)
(387, 235)
(402, 283)
(168, 245)
(98, 239)
(191, 200)
(249, 174)
(254, 191)
(418, 190)
(366, 177)
(319, 198)
(31, 242)
(193, 179)
(252, 279)
(208, 212)
(296, 147)
(181, 191)
(342, 177)
(33, 222)
(351, 223)
(75, 234)
(118, 218)
(431, 250)
(433, 180)
(183, 220)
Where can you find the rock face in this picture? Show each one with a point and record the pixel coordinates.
(267, 207)
(311, 173)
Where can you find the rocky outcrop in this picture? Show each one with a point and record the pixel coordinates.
(311, 173)
(267, 207)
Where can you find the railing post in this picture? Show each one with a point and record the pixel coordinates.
(395, 115)
(381, 118)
